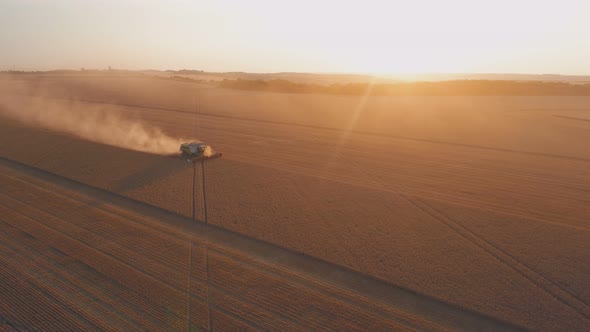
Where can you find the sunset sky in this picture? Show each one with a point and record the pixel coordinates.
(370, 36)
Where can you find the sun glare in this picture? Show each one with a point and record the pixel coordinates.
(369, 36)
(419, 36)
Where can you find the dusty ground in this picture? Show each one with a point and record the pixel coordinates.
(479, 202)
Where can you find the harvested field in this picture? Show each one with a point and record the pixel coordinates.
(64, 274)
(476, 206)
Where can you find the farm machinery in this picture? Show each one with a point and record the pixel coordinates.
(196, 151)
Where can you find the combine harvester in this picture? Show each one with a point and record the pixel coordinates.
(196, 151)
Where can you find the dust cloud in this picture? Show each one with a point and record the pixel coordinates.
(98, 123)
(208, 151)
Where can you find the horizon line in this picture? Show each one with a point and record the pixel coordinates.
(81, 69)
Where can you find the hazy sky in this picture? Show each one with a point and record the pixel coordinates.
(518, 36)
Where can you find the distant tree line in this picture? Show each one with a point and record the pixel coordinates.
(440, 88)
(186, 71)
(82, 71)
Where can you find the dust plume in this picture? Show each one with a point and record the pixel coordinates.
(99, 123)
(208, 151)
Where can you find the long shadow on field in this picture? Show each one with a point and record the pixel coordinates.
(162, 166)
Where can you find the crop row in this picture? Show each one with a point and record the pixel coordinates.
(199, 270)
(168, 304)
(282, 298)
(223, 322)
(347, 295)
(45, 287)
(96, 288)
(167, 259)
(116, 298)
(93, 209)
(25, 307)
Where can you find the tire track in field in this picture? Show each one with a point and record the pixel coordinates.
(206, 241)
(541, 281)
(190, 288)
(190, 257)
(207, 266)
(550, 287)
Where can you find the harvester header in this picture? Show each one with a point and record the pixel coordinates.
(195, 151)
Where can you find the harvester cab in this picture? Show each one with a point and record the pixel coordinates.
(195, 151)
